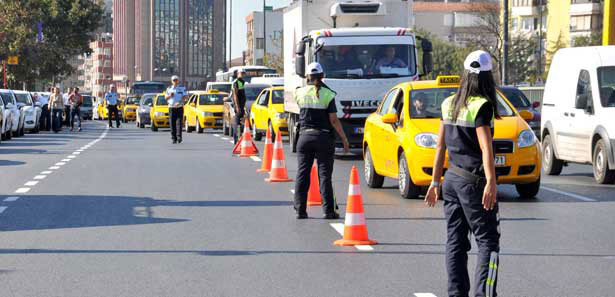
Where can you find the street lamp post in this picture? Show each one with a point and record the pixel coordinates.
(264, 31)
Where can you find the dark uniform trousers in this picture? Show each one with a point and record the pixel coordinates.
(238, 118)
(176, 115)
(464, 213)
(112, 111)
(319, 145)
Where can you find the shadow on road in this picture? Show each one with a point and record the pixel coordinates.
(10, 163)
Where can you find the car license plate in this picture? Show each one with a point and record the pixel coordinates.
(500, 160)
(358, 130)
(219, 122)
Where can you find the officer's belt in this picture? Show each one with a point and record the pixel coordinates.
(469, 176)
(308, 130)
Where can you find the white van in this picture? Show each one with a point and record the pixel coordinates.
(578, 111)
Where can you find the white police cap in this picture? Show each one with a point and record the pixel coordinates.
(315, 68)
(482, 58)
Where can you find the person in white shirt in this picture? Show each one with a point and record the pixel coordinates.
(67, 107)
(176, 95)
(112, 100)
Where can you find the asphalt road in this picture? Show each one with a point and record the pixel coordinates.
(123, 212)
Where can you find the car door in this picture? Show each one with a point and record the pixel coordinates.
(378, 145)
(189, 110)
(585, 119)
(572, 141)
(260, 108)
(392, 133)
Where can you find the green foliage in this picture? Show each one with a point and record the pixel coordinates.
(68, 28)
(274, 61)
(447, 57)
(594, 39)
(522, 59)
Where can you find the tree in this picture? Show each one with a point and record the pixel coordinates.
(447, 57)
(67, 28)
(522, 57)
(488, 33)
(594, 39)
(274, 61)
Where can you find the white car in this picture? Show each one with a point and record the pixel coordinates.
(31, 111)
(578, 110)
(7, 116)
(17, 120)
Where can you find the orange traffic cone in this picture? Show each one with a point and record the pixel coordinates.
(278, 173)
(248, 147)
(268, 154)
(314, 192)
(355, 229)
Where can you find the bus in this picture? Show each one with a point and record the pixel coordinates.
(142, 87)
(251, 71)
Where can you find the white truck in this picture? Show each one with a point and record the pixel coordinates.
(365, 48)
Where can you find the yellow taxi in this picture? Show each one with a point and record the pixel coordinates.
(267, 112)
(129, 109)
(204, 110)
(103, 110)
(401, 136)
(159, 113)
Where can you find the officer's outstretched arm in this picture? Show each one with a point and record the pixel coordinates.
(486, 145)
(433, 193)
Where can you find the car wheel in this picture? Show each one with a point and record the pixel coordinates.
(22, 132)
(9, 134)
(292, 134)
(199, 129)
(528, 190)
(270, 127)
(225, 129)
(372, 178)
(550, 163)
(186, 126)
(602, 173)
(154, 128)
(141, 125)
(407, 188)
(257, 136)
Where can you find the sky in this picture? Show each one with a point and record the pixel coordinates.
(241, 9)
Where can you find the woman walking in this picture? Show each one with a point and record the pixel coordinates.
(469, 188)
(56, 104)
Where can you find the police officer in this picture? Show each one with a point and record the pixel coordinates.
(175, 96)
(239, 100)
(317, 121)
(111, 98)
(469, 187)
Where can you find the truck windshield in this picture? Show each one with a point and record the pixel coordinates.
(606, 83)
(367, 61)
(426, 103)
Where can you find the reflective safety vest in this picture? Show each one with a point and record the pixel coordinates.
(306, 97)
(467, 114)
(240, 84)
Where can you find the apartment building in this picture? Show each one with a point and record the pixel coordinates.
(255, 40)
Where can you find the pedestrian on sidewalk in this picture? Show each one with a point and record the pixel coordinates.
(318, 121)
(45, 119)
(67, 107)
(469, 188)
(112, 99)
(176, 95)
(56, 104)
(75, 100)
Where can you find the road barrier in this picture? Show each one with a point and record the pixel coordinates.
(278, 173)
(314, 197)
(267, 154)
(355, 228)
(245, 147)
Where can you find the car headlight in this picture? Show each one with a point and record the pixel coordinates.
(281, 115)
(526, 138)
(159, 114)
(29, 112)
(426, 140)
(207, 114)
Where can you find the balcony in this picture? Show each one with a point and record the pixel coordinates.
(587, 7)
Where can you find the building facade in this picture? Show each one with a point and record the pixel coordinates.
(98, 67)
(255, 41)
(169, 37)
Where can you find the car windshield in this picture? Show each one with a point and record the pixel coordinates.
(146, 99)
(516, 97)
(23, 98)
(367, 61)
(142, 88)
(161, 100)
(253, 91)
(226, 88)
(278, 97)
(211, 99)
(6, 97)
(426, 103)
(132, 100)
(87, 101)
(606, 83)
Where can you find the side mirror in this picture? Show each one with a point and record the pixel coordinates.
(389, 118)
(427, 56)
(300, 65)
(580, 102)
(536, 104)
(150, 104)
(193, 104)
(526, 115)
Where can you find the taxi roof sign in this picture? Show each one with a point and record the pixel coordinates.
(448, 80)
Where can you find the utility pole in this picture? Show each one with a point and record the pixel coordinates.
(539, 67)
(230, 35)
(505, 58)
(264, 31)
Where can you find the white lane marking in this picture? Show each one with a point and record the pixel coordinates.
(54, 167)
(71, 157)
(76, 153)
(40, 176)
(79, 151)
(231, 142)
(60, 164)
(255, 158)
(11, 199)
(31, 183)
(3, 208)
(225, 138)
(424, 295)
(22, 190)
(46, 172)
(339, 227)
(217, 135)
(576, 196)
(66, 160)
(365, 248)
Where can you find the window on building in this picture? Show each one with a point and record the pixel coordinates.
(200, 38)
(107, 51)
(107, 63)
(514, 24)
(527, 24)
(580, 23)
(259, 43)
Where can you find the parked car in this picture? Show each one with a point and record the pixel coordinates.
(578, 111)
(87, 109)
(145, 105)
(520, 102)
(16, 118)
(252, 91)
(5, 121)
(268, 113)
(401, 144)
(30, 110)
(204, 110)
(224, 87)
